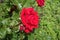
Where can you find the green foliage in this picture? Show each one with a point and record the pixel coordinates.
(49, 25)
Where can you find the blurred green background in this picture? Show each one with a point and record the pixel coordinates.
(49, 25)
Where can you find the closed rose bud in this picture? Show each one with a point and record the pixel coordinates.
(22, 28)
(40, 2)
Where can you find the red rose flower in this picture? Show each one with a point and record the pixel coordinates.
(40, 2)
(29, 19)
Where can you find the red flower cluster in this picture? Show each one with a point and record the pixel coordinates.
(29, 19)
(40, 2)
